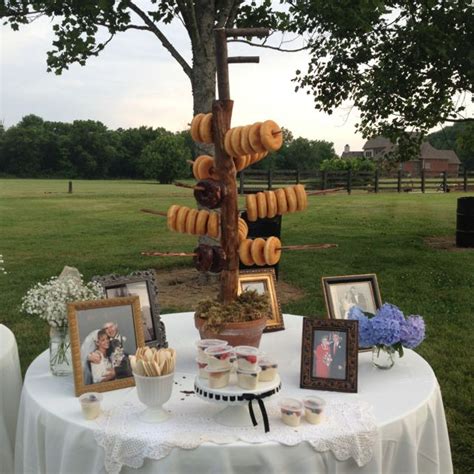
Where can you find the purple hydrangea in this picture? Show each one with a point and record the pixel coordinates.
(365, 326)
(412, 332)
(392, 312)
(385, 331)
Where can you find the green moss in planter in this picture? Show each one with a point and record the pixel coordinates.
(248, 306)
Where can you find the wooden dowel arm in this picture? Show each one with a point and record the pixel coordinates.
(189, 186)
(256, 32)
(307, 247)
(168, 254)
(158, 213)
(324, 191)
(243, 59)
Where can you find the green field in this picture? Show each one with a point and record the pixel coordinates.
(100, 230)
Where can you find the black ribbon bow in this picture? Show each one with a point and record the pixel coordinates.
(251, 397)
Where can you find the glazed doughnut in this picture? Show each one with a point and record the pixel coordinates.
(191, 221)
(244, 252)
(218, 259)
(243, 225)
(197, 164)
(301, 198)
(291, 199)
(227, 143)
(240, 162)
(272, 208)
(254, 138)
(206, 168)
(203, 258)
(282, 203)
(245, 140)
(235, 141)
(271, 254)
(271, 135)
(261, 205)
(201, 222)
(205, 128)
(256, 250)
(195, 127)
(213, 225)
(171, 216)
(251, 204)
(211, 195)
(181, 219)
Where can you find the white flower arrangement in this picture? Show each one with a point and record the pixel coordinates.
(49, 300)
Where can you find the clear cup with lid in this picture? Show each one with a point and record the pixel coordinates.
(218, 378)
(201, 368)
(314, 409)
(247, 357)
(291, 411)
(90, 404)
(269, 368)
(248, 379)
(219, 357)
(203, 344)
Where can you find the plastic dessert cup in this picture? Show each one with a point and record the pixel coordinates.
(201, 368)
(90, 403)
(247, 357)
(218, 378)
(269, 369)
(218, 357)
(291, 411)
(203, 344)
(248, 379)
(314, 409)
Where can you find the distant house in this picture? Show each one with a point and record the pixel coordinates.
(431, 160)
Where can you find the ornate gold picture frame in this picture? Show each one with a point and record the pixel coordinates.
(264, 282)
(103, 334)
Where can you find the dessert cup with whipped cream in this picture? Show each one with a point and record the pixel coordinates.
(247, 357)
(269, 368)
(90, 403)
(248, 379)
(218, 357)
(203, 344)
(314, 409)
(218, 378)
(291, 411)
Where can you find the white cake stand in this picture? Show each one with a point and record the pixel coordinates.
(236, 399)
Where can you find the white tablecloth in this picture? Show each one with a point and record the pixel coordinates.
(10, 389)
(53, 437)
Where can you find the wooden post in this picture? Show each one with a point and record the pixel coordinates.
(298, 176)
(323, 180)
(349, 181)
(399, 181)
(242, 183)
(376, 185)
(270, 179)
(422, 180)
(445, 181)
(69, 189)
(465, 180)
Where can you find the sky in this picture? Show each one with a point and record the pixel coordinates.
(135, 82)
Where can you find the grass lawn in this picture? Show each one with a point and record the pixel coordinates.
(99, 230)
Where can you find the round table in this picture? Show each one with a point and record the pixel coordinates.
(52, 436)
(10, 389)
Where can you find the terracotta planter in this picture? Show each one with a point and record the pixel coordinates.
(247, 333)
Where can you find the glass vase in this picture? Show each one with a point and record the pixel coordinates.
(59, 351)
(383, 357)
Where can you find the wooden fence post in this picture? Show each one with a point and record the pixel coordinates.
(298, 176)
(349, 181)
(241, 182)
(270, 178)
(422, 180)
(465, 180)
(323, 180)
(376, 184)
(445, 181)
(69, 189)
(399, 181)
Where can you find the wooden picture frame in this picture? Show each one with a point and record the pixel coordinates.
(91, 325)
(264, 281)
(144, 284)
(325, 366)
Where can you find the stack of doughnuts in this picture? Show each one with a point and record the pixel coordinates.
(201, 128)
(209, 258)
(204, 166)
(191, 221)
(260, 251)
(270, 203)
(244, 161)
(256, 138)
(243, 230)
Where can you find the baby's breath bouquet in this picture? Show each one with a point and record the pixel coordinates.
(49, 301)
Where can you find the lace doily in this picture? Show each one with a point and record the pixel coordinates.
(349, 430)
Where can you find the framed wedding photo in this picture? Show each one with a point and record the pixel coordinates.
(343, 292)
(103, 334)
(143, 284)
(264, 283)
(329, 355)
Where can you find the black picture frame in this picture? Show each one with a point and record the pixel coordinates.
(317, 369)
(157, 338)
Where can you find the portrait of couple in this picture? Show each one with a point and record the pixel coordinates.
(329, 355)
(103, 356)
